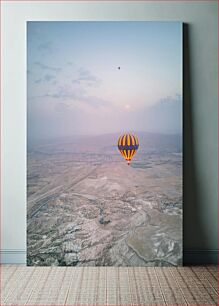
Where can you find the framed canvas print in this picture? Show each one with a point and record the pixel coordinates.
(104, 151)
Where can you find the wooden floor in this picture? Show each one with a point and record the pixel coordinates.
(23, 285)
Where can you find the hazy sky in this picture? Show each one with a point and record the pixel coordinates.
(75, 86)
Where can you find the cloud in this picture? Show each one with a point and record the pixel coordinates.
(62, 93)
(46, 67)
(49, 77)
(95, 101)
(177, 98)
(46, 78)
(165, 116)
(62, 88)
(85, 76)
(73, 97)
(47, 46)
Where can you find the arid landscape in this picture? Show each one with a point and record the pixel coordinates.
(87, 207)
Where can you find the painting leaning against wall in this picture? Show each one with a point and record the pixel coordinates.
(104, 153)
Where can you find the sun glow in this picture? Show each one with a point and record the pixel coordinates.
(127, 106)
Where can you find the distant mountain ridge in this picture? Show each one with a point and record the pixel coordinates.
(149, 142)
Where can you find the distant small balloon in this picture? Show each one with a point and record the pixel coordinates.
(128, 145)
(119, 68)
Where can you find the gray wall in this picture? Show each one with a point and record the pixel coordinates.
(200, 111)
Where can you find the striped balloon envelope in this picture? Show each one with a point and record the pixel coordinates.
(128, 145)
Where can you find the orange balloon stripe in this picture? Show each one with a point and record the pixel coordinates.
(130, 154)
(119, 141)
(126, 155)
(122, 153)
(136, 140)
(129, 139)
(129, 151)
(133, 140)
(123, 140)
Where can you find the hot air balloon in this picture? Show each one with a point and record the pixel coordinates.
(128, 145)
